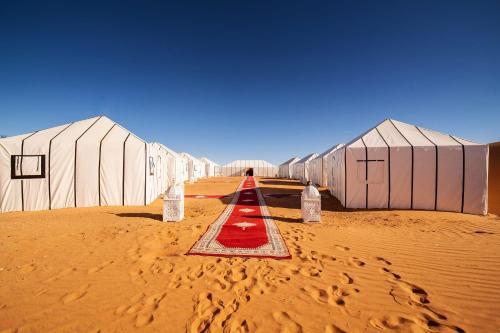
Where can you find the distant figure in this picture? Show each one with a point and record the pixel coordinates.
(249, 172)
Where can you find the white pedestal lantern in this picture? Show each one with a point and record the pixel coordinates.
(173, 203)
(311, 204)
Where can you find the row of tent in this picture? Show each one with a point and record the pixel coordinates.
(396, 165)
(92, 162)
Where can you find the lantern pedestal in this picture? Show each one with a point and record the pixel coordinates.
(311, 204)
(173, 210)
(173, 204)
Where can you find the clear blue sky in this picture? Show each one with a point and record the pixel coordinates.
(250, 79)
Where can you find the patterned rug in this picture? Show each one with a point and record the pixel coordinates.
(244, 229)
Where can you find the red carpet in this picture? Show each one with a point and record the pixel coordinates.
(244, 229)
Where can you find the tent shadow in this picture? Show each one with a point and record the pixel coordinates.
(157, 217)
(270, 181)
(277, 218)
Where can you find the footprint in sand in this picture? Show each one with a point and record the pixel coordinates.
(346, 278)
(356, 262)
(286, 323)
(333, 329)
(342, 248)
(100, 267)
(142, 308)
(387, 262)
(212, 315)
(76, 295)
(61, 274)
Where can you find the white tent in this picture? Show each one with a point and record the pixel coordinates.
(300, 169)
(176, 168)
(211, 168)
(257, 167)
(92, 162)
(195, 167)
(320, 165)
(285, 169)
(402, 166)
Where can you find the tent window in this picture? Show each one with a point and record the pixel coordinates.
(27, 166)
(151, 166)
(375, 171)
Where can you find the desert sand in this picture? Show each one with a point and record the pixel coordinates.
(120, 269)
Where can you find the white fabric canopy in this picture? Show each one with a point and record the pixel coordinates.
(320, 165)
(240, 167)
(176, 166)
(300, 169)
(195, 167)
(212, 169)
(402, 166)
(285, 169)
(92, 162)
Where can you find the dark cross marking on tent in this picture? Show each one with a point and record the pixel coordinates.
(412, 160)
(50, 154)
(366, 172)
(436, 174)
(76, 150)
(389, 166)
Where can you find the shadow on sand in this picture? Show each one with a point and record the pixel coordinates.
(157, 217)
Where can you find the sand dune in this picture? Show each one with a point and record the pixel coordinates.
(119, 269)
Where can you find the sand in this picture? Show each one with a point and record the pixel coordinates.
(119, 269)
(494, 179)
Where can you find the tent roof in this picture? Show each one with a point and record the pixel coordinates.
(170, 151)
(307, 158)
(396, 133)
(330, 150)
(92, 120)
(290, 161)
(260, 163)
(191, 157)
(206, 160)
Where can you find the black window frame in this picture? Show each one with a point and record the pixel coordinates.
(13, 167)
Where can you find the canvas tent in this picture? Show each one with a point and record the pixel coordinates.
(92, 162)
(402, 166)
(300, 169)
(320, 165)
(211, 168)
(285, 169)
(240, 167)
(195, 167)
(176, 168)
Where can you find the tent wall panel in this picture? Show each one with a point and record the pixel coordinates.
(35, 190)
(61, 160)
(378, 178)
(356, 178)
(476, 179)
(87, 164)
(401, 177)
(449, 186)
(134, 173)
(424, 178)
(11, 189)
(111, 167)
